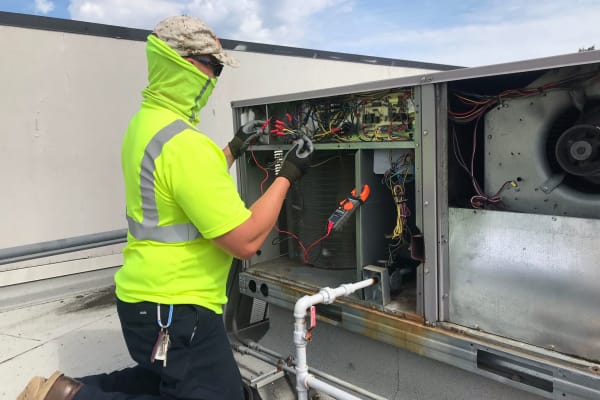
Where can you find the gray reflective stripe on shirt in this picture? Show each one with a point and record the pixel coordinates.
(166, 234)
(148, 229)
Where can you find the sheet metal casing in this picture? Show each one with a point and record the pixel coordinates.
(516, 289)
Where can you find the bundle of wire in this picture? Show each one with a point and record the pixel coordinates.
(335, 119)
(395, 178)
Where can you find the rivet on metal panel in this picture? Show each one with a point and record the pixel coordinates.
(425, 133)
(416, 144)
(445, 296)
(426, 271)
(425, 203)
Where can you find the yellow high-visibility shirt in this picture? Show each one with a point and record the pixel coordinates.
(180, 179)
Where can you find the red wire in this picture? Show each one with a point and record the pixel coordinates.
(456, 114)
(329, 228)
(300, 243)
(305, 250)
(266, 171)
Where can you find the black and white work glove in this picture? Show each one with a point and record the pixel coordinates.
(297, 159)
(246, 135)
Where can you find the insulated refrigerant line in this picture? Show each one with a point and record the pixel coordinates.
(304, 379)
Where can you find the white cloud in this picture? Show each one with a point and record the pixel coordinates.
(284, 22)
(130, 13)
(501, 33)
(494, 31)
(43, 6)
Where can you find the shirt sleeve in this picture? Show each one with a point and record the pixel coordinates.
(202, 185)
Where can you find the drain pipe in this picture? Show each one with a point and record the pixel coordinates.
(304, 380)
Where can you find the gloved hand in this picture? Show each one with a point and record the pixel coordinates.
(248, 133)
(297, 159)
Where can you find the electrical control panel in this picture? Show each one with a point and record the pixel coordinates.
(355, 206)
(384, 116)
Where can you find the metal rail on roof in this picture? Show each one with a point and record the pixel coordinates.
(54, 247)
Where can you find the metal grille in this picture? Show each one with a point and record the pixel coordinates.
(309, 206)
(259, 311)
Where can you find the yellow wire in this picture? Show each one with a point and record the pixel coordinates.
(398, 194)
(399, 228)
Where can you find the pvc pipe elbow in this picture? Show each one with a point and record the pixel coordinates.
(304, 303)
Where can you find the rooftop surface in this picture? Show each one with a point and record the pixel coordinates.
(78, 332)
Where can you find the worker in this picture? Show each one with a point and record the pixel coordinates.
(186, 223)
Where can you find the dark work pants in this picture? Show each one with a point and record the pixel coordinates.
(200, 363)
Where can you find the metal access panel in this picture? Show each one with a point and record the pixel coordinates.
(523, 189)
(533, 278)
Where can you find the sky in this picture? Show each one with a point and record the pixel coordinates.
(454, 32)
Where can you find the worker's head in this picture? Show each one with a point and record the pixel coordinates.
(196, 42)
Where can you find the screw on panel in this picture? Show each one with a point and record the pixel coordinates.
(425, 133)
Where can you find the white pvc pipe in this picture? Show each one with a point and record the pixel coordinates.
(326, 295)
(324, 387)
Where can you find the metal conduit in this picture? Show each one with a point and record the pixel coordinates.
(61, 246)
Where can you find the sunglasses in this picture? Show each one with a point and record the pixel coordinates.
(216, 66)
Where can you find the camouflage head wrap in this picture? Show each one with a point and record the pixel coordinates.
(190, 36)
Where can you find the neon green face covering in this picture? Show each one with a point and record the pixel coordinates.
(175, 83)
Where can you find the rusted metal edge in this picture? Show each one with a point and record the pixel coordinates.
(408, 331)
